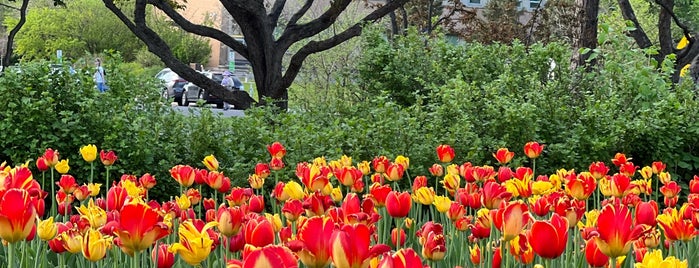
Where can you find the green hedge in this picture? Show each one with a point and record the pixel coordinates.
(490, 97)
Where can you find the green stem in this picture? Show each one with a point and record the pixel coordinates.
(54, 204)
(106, 199)
(36, 256)
(399, 226)
(134, 260)
(92, 170)
(10, 255)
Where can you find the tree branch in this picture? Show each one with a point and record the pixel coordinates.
(294, 33)
(200, 29)
(638, 34)
(10, 7)
(685, 29)
(276, 12)
(452, 11)
(318, 46)
(11, 36)
(299, 14)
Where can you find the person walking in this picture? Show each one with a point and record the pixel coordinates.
(228, 83)
(99, 77)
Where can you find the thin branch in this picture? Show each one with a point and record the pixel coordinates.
(276, 11)
(685, 29)
(294, 33)
(452, 11)
(200, 29)
(302, 11)
(11, 36)
(9, 6)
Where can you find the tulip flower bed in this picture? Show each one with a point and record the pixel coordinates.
(343, 214)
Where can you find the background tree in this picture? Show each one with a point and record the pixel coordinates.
(267, 41)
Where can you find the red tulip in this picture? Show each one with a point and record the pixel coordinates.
(276, 150)
(276, 163)
(140, 229)
(42, 164)
(493, 193)
(108, 158)
(658, 167)
(619, 158)
(259, 232)
(436, 170)
(675, 226)
(503, 156)
(214, 179)
(616, 230)
(230, 220)
(581, 187)
(379, 193)
(313, 243)
(445, 153)
(51, 156)
(184, 175)
(646, 213)
(403, 258)
(116, 198)
(348, 175)
(262, 170)
(263, 257)
(17, 215)
(162, 257)
(147, 181)
(549, 238)
(398, 204)
(594, 256)
(394, 172)
(598, 170)
(434, 248)
(380, 163)
(532, 149)
(351, 246)
(628, 169)
(292, 209)
(511, 219)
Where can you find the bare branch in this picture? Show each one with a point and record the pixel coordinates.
(685, 29)
(452, 11)
(299, 14)
(294, 33)
(276, 11)
(11, 36)
(10, 7)
(200, 29)
(318, 46)
(638, 34)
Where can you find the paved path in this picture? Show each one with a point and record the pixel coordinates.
(193, 109)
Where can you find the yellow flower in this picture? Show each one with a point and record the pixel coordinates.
(211, 163)
(194, 246)
(453, 169)
(365, 167)
(46, 229)
(424, 195)
(442, 203)
(95, 215)
(320, 161)
(294, 190)
(336, 194)
(646, 172)
(655, 259)
(404, 161)
(95, 246)
(62, 166)
(334, 164)
(275, 220)
(255, 181)
(94, 188)
(664, 177)
(132, 189)
(684, 70)
(89, 152)
(683, 42)
(346, 160)
(183, 201)
(72, 241)
(605, 186)
(590, 219)
(541, 187)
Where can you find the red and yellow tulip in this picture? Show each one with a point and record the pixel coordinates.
(194, 245)
(140, 229)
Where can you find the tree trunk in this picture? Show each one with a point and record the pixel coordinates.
(9, 50)
(587, 37)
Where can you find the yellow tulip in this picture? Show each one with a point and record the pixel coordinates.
(275, 220)
(89, 152)
(95, 215)
(95, 246)
(72, 241)
(684, 70)
(442, 203)
(424, 195)
(336, 194)
(655, 259)
(211, 163)
(346, 161)
(334, 164)
(133, 190)
(402, 160)
(183, 202)
(542, 187)
(94, 188)
(320, 161)
(294, 190)
(365, 167)
(683, 42)
(194, 246)
(46, 229)
(256, 182)
(453, 169)
(62, 166)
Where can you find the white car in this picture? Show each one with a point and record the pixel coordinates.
(193, 93)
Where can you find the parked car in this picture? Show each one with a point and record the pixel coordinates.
(172, 84)
(193, 93)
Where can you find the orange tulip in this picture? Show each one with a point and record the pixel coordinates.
(184, 175)
(147, 181)
(619, 158)
(108, 158)
(351, 246)
(675, 226)
(276, 150)
(230, 220)
(436, 170)
(394, 172)
(658, 167)
(511, 219)
(259, 232)
(17, 215)
(475, 254)
(445, 153)
(398, 204)
(581, 186)
(503, 156)
(532, 149)
(139, 227)
(313, 244)
(616, 230)
(549, 238)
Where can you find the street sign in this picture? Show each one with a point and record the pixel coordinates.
(231, 61)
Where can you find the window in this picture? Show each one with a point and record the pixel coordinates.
(474, 3)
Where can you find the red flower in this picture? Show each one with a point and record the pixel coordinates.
(276, 163)
(435, 247)
(262, 170)
(445, 153)
(17, 215)
(51, 156)
(549, 238)
(42, 164)
(108, 158)
(267, 256)
(658, 167)
(67, 184)
(619, 158)
(503, 156)
(184, 175)
(403, 258)
(259, 232)
(594, 256)
(394, 172)
(140, 229)
(313, 243)
(116, 197)
(380, 163)
(147, 181)
(581, 187)
(379, 193)
(493, 193)
(646, 213)
(532, 149)
(616, 230)
(351, 246)
(628, 169)
(230, 220)
(162, 257)
(511, 219)
(292, 209)
(598, 170)
(348, 175)
(436, 170)
(276, 150)
(398, 204)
